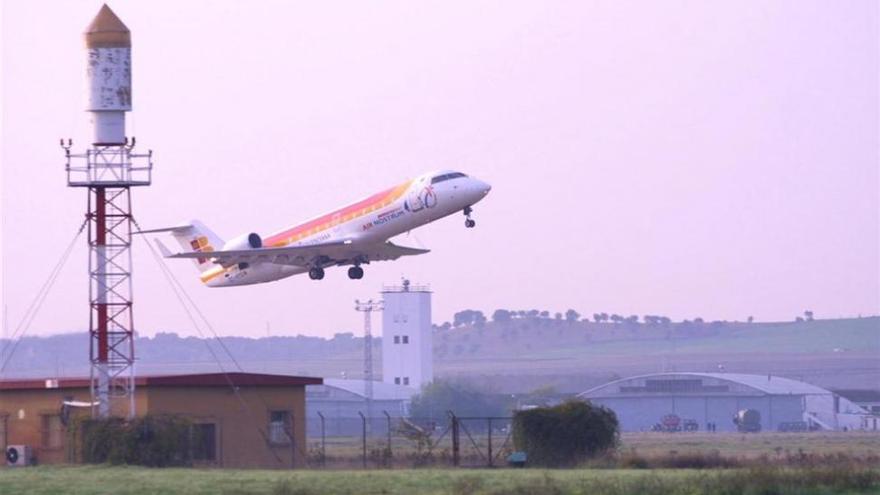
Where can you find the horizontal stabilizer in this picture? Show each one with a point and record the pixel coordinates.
(179, 228)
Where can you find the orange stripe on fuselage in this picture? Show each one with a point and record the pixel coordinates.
(213, 273)
(342, 215)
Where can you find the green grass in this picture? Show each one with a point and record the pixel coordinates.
(142, 481)
(753, 445)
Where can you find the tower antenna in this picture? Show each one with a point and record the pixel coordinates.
(108, 170)
(367, 308)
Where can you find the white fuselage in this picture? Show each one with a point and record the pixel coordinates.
(373, 220)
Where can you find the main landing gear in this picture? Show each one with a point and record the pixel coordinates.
(316, 273)
(469, 222)
(355, 273)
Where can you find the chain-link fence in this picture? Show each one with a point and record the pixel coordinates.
(385, 441)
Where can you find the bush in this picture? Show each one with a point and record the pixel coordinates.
(443, 395)
(565, 435)
(156, 441)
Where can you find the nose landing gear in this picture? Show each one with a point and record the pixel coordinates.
(469, 222)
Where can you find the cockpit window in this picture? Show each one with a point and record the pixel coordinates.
(441, 178)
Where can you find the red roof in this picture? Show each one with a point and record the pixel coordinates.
(196, 380)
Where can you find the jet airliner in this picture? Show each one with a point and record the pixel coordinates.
(352, 236)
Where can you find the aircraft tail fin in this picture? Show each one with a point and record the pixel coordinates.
(193, 238)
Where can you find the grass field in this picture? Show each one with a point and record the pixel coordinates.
(766, 463)
(750, 446)
(138, 481)
(741, 449)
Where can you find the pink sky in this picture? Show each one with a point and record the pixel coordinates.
(713, 159)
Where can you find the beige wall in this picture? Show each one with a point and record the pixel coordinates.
(242, 420)
(24, 411)
(242, 423)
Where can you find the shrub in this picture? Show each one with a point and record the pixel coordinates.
(565, 435)
(156, 441)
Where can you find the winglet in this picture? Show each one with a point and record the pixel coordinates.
(166, 253)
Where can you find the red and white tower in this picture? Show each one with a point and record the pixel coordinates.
(108, 169)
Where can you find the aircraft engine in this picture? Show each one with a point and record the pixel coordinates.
(244, 241)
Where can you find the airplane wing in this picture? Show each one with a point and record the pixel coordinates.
(328, 253)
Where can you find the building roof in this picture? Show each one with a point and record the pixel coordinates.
(768, 384)
(860, 395)
(381, 390)
(191, 380)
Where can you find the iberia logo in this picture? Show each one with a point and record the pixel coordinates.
(201, 245)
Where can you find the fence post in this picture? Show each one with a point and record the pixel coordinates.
(364, 437)
(388, 419)
(323, 442)
(290, 435)
(456, 459)
(490, 442)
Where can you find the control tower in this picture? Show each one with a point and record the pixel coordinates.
(407, 342)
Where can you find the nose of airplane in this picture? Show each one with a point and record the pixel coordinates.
(483, 186)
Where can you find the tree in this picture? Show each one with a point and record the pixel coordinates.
(545, 314)
(808, 315)
(565, 435)
(698, 320)
(558, 315)
(616, 318)
(597, 317)
(501, 316)
(461, 398)
(465, 317)
(751, 319)
(572, 316)
(479, 319)
(632, 319)
(665, 320)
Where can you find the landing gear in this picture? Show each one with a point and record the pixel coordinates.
(469, 222)
(316, 273)
(355, 273)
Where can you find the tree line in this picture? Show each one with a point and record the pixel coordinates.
(476, 318)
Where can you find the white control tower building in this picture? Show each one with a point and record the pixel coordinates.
(407, 343)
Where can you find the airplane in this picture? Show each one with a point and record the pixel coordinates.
(355, 235)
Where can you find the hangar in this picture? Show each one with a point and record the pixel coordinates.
(641, 402)
(341, 401)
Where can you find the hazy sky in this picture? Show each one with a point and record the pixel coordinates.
(714, 159)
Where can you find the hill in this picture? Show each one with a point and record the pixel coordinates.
(520, 354)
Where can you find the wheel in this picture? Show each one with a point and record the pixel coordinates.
(316, 273)
(355, 273)
(469, 223)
